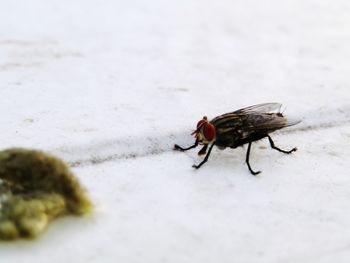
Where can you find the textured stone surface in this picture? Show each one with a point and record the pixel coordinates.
(110, 86)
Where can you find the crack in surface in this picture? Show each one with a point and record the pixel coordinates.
(132, 148)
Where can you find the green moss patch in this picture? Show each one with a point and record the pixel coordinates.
(35, 188)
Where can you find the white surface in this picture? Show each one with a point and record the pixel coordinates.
(111, 86)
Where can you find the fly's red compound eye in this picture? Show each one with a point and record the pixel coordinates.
(200, 123)
(209, 131)
(205, 119)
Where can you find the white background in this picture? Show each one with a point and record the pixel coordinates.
(110, 86)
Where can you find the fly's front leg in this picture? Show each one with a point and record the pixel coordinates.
(278, 149)
(205, 158)
(247, 160)
(179, 148)
(203, 150)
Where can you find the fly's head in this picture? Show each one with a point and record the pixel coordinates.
(205, 132)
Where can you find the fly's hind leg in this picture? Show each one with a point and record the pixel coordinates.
(278, 149)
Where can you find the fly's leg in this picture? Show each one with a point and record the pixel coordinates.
(247, 160)
(205, 158)
(179, 148)
(278, 149)
(203, 150)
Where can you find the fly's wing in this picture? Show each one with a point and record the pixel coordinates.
(267, 116)
(261, 108)
(239, 115)
(258, 119)
(267, 122)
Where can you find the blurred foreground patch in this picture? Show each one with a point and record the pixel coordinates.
(35, 188)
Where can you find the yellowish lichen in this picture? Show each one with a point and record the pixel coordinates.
(35, 188)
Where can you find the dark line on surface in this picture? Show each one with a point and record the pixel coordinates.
(167, 147)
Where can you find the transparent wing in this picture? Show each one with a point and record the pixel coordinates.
(261, 108)
(260, 118)
(255, 109)
(267, 121)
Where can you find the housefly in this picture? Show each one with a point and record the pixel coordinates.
(240, 127)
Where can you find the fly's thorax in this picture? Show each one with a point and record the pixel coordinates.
(205, 132)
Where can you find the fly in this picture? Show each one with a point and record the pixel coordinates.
(240, 127)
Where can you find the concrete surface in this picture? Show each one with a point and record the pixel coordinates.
(110, 87)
